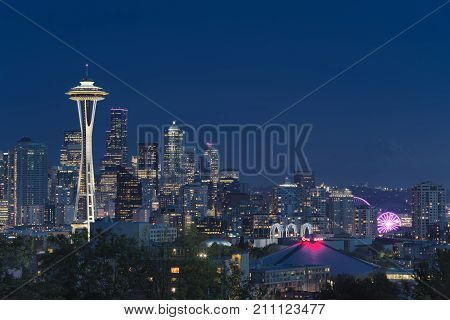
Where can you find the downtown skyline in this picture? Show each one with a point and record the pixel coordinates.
(225, 151)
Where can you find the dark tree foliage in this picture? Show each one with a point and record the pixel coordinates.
(433, 279)
(17, 264)
(110, 267)
(346, 287)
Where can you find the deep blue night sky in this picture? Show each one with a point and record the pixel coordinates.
(384, 122)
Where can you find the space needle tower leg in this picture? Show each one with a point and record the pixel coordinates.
(86, 96)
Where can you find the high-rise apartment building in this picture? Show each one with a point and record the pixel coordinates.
(319, 206)
(287, 200)
(365, 221)
(428, 202)
(341, 211)
(305, 182)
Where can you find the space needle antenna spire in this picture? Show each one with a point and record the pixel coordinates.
(87, 70)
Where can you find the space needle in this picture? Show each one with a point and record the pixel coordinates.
(86, 95)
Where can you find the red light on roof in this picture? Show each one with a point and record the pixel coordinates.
(312, 239)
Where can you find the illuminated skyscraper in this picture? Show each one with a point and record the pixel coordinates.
(28, 184)
(4, 204)
(129, 195)
(4, 176)
(65, 195)
(147, 172)
(190, 164)
(195, 200)
(211, 157)
(107, 191)
(228, 183)
(304, 180)
(116, 155)
(70, 155)
(86, 95)
(173, 171)
(4, 213)
(287, 200)
(319, 205)
(305, 183)
(117, 139)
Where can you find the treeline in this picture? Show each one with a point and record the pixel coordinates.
(112, 268)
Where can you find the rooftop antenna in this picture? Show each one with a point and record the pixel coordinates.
(87, 70)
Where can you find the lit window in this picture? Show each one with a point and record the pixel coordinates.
(174, 270)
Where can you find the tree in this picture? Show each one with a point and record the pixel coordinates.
(346, 287)
(433, 279)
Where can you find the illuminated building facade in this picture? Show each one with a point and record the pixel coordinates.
(228, 183)
(129, 195)
(70, 154)
(4, 213)
(365, 221)
(65, 195)
(173, 171)
(4, 175)
(262, 224)
(237, 214)
(190, 164)
(144, 233)
(428, 211)
(406, 220)
(4, 203)
(86, 95)
(319, 207)
(287, 199)
(290, 282)
(210, 226)
(28, 184)
(211, 164)
(147, 172)
(195, 200)
(341, 211)
(107, 191)
(116, 139)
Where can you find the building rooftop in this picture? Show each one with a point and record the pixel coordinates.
(315, 254)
